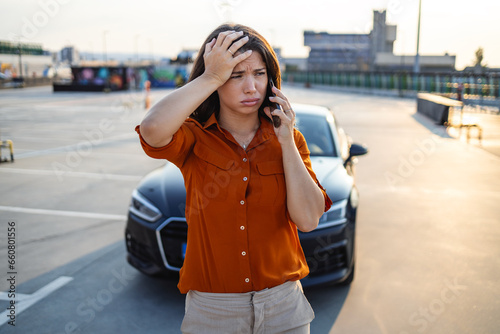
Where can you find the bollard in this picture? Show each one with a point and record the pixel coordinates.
(147, 100)
(7, 143)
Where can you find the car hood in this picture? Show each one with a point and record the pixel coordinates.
(164, 187)
(332, 175)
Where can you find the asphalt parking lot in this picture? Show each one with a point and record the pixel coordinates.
(428, 250)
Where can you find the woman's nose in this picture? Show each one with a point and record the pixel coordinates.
(249, 86)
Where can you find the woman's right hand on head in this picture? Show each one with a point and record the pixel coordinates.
(221, 57)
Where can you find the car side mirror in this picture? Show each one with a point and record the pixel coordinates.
(356, 150)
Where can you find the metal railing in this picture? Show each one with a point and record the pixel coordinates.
(447, 84)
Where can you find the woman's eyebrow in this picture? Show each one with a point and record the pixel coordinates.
(256, 70)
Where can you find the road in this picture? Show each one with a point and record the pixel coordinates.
(428, 250)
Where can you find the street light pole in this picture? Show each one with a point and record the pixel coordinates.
(416, 68)
(137, 49)
(151, 51)
(20, 60)
(104, 54)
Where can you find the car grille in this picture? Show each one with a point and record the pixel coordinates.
(138, 249)
(173, 235)
(327, 261)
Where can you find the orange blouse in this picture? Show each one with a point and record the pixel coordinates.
(240, 235)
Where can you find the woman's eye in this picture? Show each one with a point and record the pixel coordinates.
(261, 73)
(235, 76)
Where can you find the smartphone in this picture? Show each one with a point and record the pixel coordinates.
(273, 105)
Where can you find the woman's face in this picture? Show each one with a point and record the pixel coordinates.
(246, 89)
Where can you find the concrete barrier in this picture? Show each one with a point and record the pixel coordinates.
(436, 107)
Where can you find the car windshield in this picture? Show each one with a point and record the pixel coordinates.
(317, 133)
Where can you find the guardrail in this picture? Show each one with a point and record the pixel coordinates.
(475, 86)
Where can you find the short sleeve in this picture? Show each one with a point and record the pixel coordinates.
(176, 151)
(301, 144)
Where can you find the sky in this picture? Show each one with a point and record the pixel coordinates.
(165, 27)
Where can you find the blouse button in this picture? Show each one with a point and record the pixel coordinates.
(245, 178)
(244, 159)
(243, 253)
(242, 202)
(242, 227)
(247, 280)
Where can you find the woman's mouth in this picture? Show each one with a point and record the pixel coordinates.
(250, 102)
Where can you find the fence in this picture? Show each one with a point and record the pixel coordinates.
(447, 84)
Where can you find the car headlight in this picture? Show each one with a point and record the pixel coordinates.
(336, 215)
(142, 208)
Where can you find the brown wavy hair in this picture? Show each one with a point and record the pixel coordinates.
(256, 43)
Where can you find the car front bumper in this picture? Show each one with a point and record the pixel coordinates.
(329, 254)
(154, 248)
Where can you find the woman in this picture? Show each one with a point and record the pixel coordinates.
(249, 188)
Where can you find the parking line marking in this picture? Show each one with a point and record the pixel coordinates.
(74, 147)
(99, 176)
(19, 296)
(63, 213)
(32, 299)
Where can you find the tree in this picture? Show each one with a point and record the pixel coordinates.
(478, 61)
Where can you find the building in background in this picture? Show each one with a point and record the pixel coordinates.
(392, 62)
(69, 55)
(337, 52)
(367, 52)
(382, 36)
(23, 59)
(350, 52)
(293, 64)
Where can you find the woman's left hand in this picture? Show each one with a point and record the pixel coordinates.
(286, 114)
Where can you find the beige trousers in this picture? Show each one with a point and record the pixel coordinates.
(282, 309)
